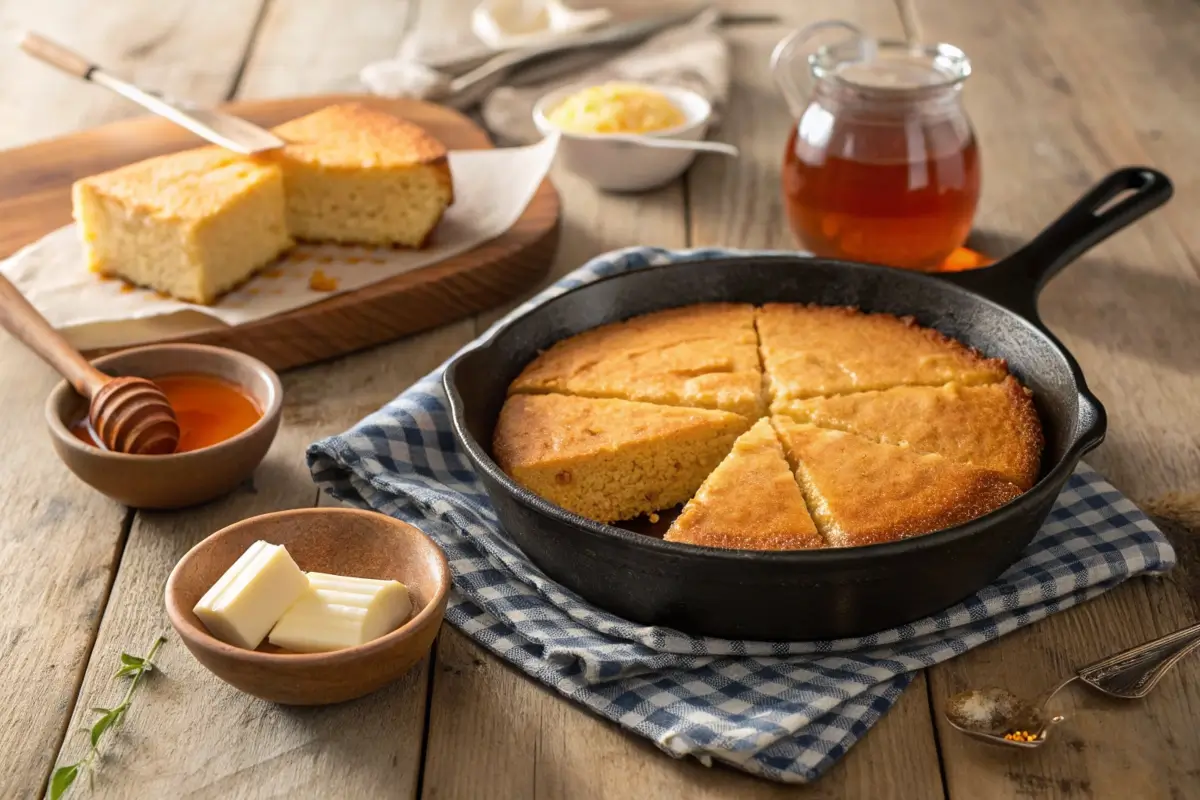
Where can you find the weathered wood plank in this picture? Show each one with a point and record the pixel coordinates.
(739, 204)
(309, 47)
(61, 541)
(1054, 111)
(237, 745)
(494, 732)
(189, 50)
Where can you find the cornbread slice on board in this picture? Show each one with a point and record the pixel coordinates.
(192, 224)
(750, 502)
(611, 459)
(994, 426)
(704, 356)
(862, 492)
(809, 351)
(357, 175)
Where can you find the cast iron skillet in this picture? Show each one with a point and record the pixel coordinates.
(818, 594)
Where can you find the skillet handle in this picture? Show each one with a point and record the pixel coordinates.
(1117, 201)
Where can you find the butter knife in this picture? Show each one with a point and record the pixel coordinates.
(222, 129)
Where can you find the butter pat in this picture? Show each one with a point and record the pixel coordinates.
(252, 595)
(338, 612)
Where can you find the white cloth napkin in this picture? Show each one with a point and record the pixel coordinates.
(693, 56)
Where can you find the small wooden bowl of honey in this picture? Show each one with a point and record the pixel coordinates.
(228, 405)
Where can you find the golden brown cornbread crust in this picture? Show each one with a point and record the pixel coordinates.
(178, 186)
(611, 459)
(703, 356)
(352, 136)
(196, 224)
(360, 176)
(192, 224)
(751, 501)
(872, 484)
(994, 425)
(860, 492)
(813, 351)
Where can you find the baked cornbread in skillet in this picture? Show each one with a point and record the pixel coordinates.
(192, 225)
(861, 492)
(811, 351)
(356, 175)
(750, 502)
(704, 356)
(608, 459)
(994, 426)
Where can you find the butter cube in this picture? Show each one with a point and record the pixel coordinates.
(338, 612)
(243, 605)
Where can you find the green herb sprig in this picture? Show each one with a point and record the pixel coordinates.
(133, 668)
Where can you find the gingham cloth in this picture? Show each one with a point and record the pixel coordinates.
(784, 711)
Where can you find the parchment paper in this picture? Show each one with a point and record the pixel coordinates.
(492, 188)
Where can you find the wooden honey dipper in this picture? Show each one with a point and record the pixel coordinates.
(129, 415)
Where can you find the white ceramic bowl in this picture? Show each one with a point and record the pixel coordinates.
(623, 166)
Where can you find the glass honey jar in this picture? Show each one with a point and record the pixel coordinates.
(882, 164)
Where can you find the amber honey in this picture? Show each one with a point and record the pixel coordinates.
(209, 410)
(881, 164)
(912, 212)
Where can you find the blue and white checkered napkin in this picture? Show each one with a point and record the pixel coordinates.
(782, 711)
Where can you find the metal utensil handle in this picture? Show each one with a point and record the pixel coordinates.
(56, 55)
(619, 33)
(698, 146)
(1135, 672)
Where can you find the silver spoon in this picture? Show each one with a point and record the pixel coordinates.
(673, 144)
(992, 714)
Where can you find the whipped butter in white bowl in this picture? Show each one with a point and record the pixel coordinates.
(588, 117)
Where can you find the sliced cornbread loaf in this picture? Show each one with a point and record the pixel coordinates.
(862, 492)
(191, 224)
(750, 502)
(703, 356)
(610, 459)
(994, 426)
(809, 351)
(357, 175)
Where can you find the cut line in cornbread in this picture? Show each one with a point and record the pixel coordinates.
(357, 175)
(811, 351)
(702, 356)
(192, 225)
(751, 501)
(608, 459)
(862, 492)
(994, 426)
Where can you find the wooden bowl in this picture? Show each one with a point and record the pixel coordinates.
(180, 479)
(360, 544)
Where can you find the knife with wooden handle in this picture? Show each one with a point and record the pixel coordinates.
(221, 129)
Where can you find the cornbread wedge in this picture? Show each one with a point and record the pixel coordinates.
(192, 224)
(703, 356)
(357, 175)
(809, 351)
(861, 492)
(750, 502)
(994, 426)
(611, 459)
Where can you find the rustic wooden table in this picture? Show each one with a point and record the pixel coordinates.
(1063, 92)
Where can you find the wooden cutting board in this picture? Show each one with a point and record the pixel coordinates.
(35, 199)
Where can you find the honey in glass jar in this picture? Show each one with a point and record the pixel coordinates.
(882, 165)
